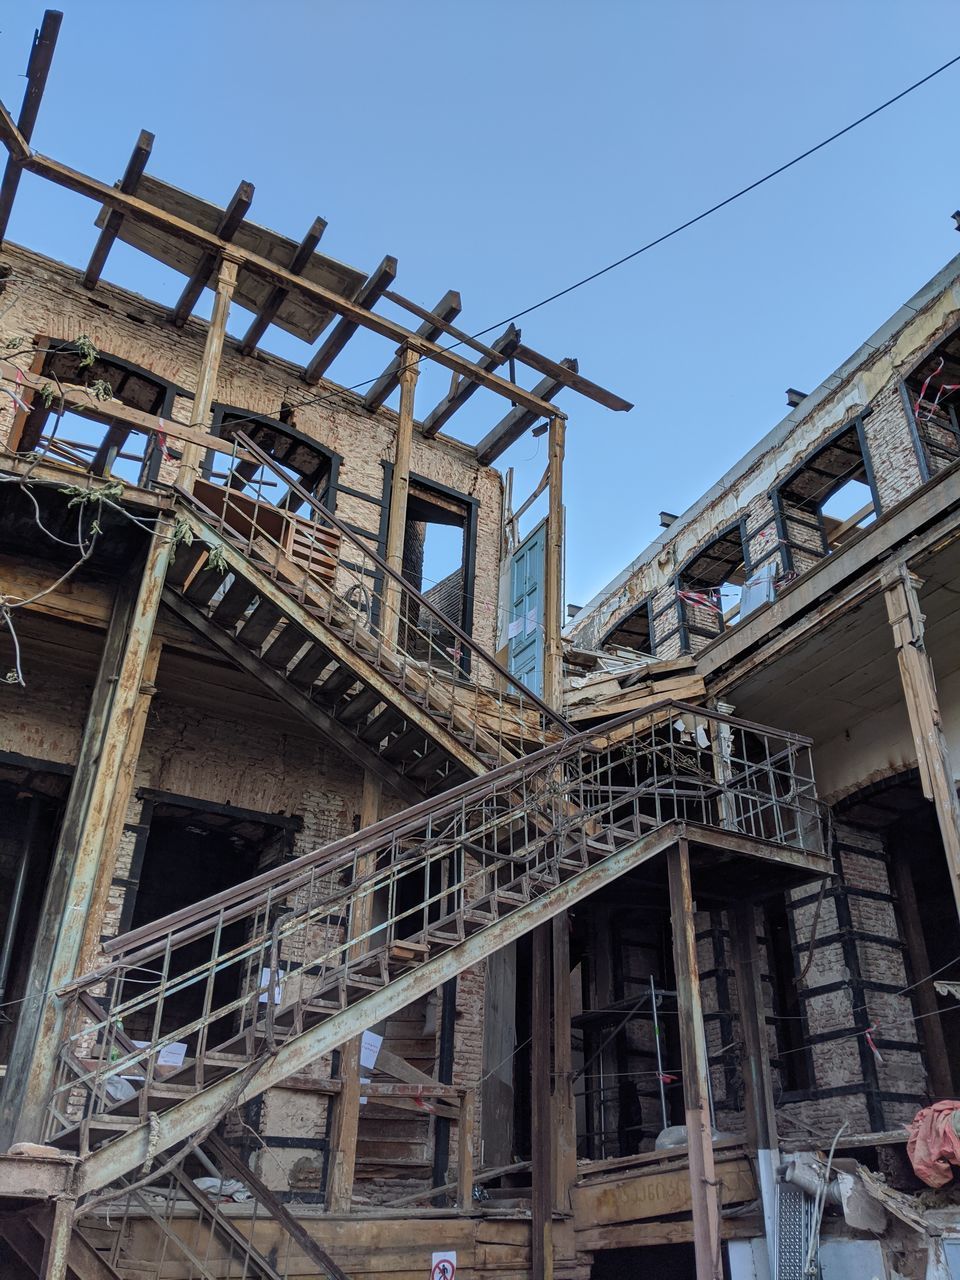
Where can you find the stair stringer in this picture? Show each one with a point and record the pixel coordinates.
(203, 1110)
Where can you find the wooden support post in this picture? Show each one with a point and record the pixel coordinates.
(541, 1224)
(38, 68)
(81, 845)
(929, 1026)
(56, 1245)
(209, 368)
(346, 1110)
(399, 491)
(553, 570)
(465, 1150)
(755, 1065)
(920, 693)
(693, 1055)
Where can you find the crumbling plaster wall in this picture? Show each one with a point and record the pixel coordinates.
(870, 379)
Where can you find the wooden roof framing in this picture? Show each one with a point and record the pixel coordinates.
(280, 281)
(38, 68)
(447, 309)
(113, 218)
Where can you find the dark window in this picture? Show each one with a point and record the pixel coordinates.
(827, 499)
(932, 394)
(635, 631)
(792, 1058)
(93, 439)
(296, 460)
(709, 587)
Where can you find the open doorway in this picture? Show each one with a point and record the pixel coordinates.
(31, 808)
(188, 851)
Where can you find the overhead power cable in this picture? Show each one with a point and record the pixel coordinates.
(722, 204)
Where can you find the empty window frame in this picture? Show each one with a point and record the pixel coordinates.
(709, 587)
(635, 631)
(302, 461)
(792, 1054)
(826, 499)
(931, 395)
(92, 439)
(439, 561)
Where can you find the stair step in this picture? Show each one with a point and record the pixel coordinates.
(339, 681)
(359, 707)
(427, 764)
(259, 625)
(185, 561)
(205, 585)
(404, 746)
(382, 725)
(309, 666)
(238, 596)
(285, 646)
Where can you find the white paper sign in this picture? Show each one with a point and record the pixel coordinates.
(171, 1055)
(531, 620)
(514, 628)
(444, 1265)
(370, 1044)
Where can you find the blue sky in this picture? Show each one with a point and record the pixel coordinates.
(506, 149)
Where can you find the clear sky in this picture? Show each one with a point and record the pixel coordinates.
(507, 148)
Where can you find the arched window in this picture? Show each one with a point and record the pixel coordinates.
(635, 631)
(709, 587)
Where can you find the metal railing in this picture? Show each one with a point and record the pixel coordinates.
(216, 986)
(320, 561)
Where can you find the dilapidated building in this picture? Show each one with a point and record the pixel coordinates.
(357, 922)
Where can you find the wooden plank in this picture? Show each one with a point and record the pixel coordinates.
(568, 377)
(108, 234)
(503, 348)
(446, 309)
(465, 1151)
(649, 1194)
(38, 68)
(399, 492)
(937, 773)
(511, 427)
(233, 215)
(278, 294)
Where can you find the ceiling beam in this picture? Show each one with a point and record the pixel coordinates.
(38, 68)
(110, 229)
(502, 349)
(278, 294)
(370, 291)
(150, 215)
(516, 422)
(447, 309)
(568, 377)
(227, 228)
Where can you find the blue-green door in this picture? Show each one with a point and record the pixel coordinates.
(525, 621)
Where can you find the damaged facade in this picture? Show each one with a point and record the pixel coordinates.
(307, 897)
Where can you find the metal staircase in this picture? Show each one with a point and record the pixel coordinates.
(263, 980)
(300, 601)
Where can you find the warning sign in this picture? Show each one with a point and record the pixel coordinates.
(444, 1266)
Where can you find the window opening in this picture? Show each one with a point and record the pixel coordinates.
(792, 1059)
(827, 499)
(709, 588)
(298, 458)
(635, 631)
(438, 561)
(92, 438)
(932, 395)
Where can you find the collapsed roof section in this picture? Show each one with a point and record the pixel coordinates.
(284, 282)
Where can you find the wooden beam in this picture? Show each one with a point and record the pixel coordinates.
(209, 368)
(464, 339)
(553, 570)
(150, 215)
(465, 1151)
(755, 1070)
(511, 427)
(923, 708)
(568, 377)
(279, 294)
(227, 228)
(501, 350)
(564, 1107)
(693, 1055)
(111, 228)
(446, 309)
(373, 288)
(399, 492)
(346, 1111)
(541, 1209)
(38, 68)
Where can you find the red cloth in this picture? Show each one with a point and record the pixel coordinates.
(934, 1143)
